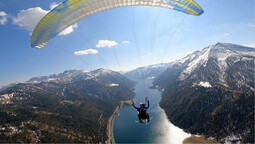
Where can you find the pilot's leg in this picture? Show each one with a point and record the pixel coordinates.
(140, 118)
(147, 117)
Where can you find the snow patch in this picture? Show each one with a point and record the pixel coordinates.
(188, 58)
(35, 107)
(35, 81)
(195, 60)
(204, 84)
(229, 139)
(202, 59)
(197, 135)
(85, 71)
(51, 79)
(6, 96)
(113, 85)
(151, 78)
(211, 138)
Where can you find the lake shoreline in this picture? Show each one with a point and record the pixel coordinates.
(198, 139)
(109, 132)
(163, 130)
(193, 139)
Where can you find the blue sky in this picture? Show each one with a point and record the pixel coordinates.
(136, 36)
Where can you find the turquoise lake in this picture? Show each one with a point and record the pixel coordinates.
(159, 130)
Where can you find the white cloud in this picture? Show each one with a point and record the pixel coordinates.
(69, 30)
(28, 19)
(53, 5)
(125, 42)
(3, 18)
(106, 43)
(226, 34)
(86, 52)
(2, 13)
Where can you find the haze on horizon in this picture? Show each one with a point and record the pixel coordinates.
(119, 39)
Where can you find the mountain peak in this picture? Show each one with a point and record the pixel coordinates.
(71, 75)
(216, 81)
(230, 46)
(220, 44)
(222, 55)
(103, 71)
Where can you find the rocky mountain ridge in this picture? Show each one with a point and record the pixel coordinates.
(147, 72)
(211, 92)
(215, 64)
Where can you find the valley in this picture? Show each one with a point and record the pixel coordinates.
(208, 93)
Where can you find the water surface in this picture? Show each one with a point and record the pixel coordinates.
(159, 130)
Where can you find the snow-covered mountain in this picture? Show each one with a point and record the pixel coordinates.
(66, 76)
(7, 86)
(74, 75)
(212, 92)
(147, 72)
(100, 83)
(222, 63)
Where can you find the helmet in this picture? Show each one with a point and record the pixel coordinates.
(142, 104)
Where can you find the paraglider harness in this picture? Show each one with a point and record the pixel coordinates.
(142, 114)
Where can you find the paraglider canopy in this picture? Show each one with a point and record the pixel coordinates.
(72, 11)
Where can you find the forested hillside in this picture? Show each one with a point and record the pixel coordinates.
(211, 92)
(71, 107)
